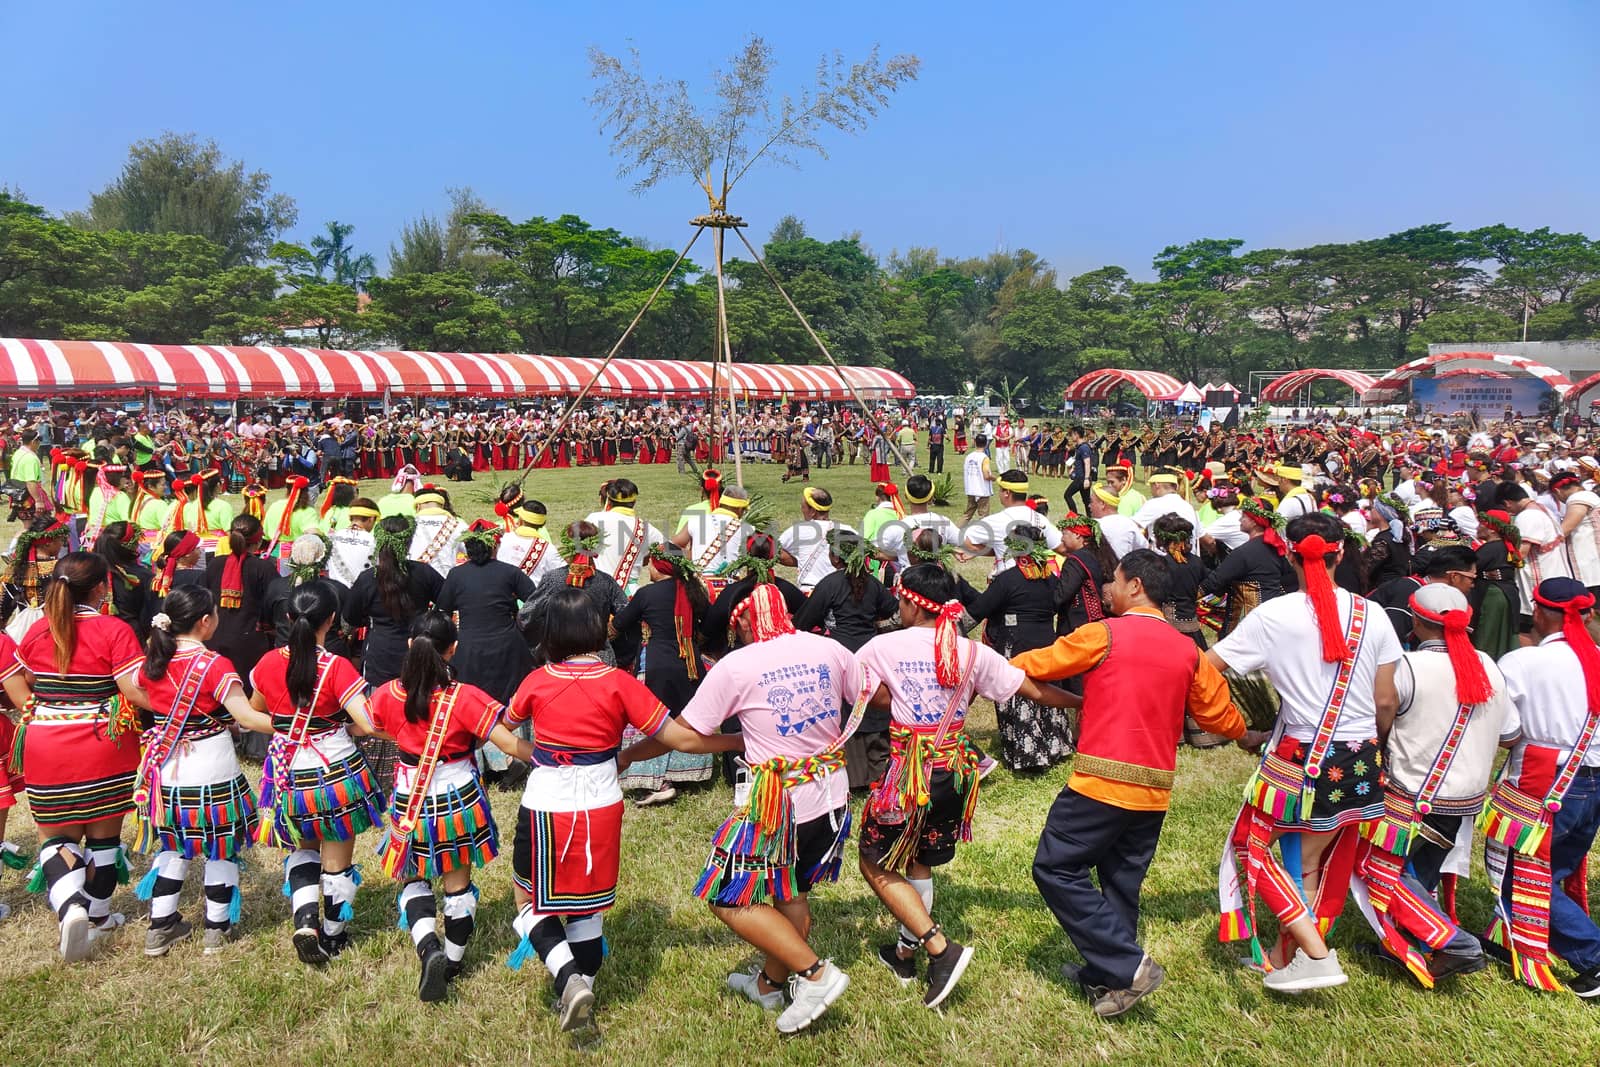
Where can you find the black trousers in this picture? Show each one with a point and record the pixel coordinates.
(1083, 835)
(936, 459)
(1077, 488)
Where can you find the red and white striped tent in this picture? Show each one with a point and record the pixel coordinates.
(1391, 384)
(1576, 395)
(1284, 389)
(62, 368)
(1100, 384)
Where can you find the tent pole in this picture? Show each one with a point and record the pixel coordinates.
(566, 416)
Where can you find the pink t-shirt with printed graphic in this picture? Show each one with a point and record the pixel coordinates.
(787, 694)
(903, 661)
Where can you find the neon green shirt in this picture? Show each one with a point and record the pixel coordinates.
(397, 504)
(25, 466)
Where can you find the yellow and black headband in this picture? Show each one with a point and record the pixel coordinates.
(809, 495)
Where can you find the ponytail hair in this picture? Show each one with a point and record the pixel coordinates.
(310, 607)
(185, 608)
(77, 576)
(424, 669)
(244, 535)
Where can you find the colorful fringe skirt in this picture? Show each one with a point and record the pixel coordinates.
(331, 803)
(567, 861)
(207, 810)
(454, 830)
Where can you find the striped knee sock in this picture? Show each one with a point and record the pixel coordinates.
(338, 899)
(105, 871)
(64, 873)
(549, 940)
(586, 937)
(460, 919)
(222, 894)
(170, 869)
(417, 913)
(301, 870)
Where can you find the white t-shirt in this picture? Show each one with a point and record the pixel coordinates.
(972, 479)
(706, 533)
(618, 529)
(1585, 538)
(807, 542)
(895, 537)
(1548, 700)
(1168, 504)
(1224, 531)
(515, 548)
(990, 533)
(437, 540)
(1281, 638)
(349, 553)
(1538, 528)
(1121, 534)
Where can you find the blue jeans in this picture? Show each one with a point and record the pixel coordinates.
(1573, 935)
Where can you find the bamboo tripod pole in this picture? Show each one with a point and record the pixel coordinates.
(583, 394)
(725, 343)
(866, 412)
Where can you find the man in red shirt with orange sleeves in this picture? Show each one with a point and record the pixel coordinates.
(1140, 676)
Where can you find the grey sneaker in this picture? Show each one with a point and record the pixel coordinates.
(748, 985)
(577, 1003)
(75, 935)
(217, 938)
(106, 928)
(159, 939)
(1304, 973)
(1146, 980)
(809, 998)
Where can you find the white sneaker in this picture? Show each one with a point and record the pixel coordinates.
(577, 1003)
(1304, 973)
(748, 985)
(75, 935)
(810, 998)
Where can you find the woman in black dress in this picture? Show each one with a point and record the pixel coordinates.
(579, 544)
(384, 601)
(118, 544)
(756, 566)
(1086, 565)
(673, 606)
(485, 594)
(1172, 535)
(1021, 607)
(308, 562)
(1256, 571)
(238, 581)
(848, 605)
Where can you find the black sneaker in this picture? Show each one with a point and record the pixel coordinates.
(1586, 983)
(435, 977)
(453, 969)
(1445, 964)
(904, 969)
(334, 944)
(308, 946)
(945, 970)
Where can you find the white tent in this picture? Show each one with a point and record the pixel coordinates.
(1189, 394)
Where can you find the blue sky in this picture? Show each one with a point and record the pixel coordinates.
(1090, 133)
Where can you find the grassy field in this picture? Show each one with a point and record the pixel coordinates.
(662, 999)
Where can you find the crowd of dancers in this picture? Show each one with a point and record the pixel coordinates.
(395, 659)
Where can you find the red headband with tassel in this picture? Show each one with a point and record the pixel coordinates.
(1472, 681)
(1319, 588)
(946, 647)
(1577, 637)
(766, 612)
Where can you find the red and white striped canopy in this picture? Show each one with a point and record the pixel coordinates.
(34, 367)
(1285, 388)
(1099, 384)
(1583, 387)
(1395, 381)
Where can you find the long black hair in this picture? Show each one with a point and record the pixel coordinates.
(310, 607)
(424, 669)
(390, 571)
(187, 606)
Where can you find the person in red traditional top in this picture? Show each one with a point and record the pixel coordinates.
(317, 792)
(440, 822)
(1140, 676)
(192, 798)
(15, 695)
(568, 842)
(80, 747)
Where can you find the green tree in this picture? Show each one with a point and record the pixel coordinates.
(440, 311)
(428, 245)
(177, 184)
